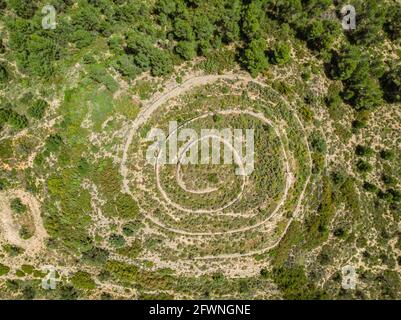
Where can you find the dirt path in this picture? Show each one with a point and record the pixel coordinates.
(9, 228)
(147, 111)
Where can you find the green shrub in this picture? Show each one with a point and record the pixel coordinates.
(83, 280)
(363, 166)
(17, 206)
(96, 256)
(363, 151)
(387, 154)
(281, 53)
(3, 269)
(38, 109)
(117, 240)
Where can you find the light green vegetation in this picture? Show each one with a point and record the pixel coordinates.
(325, 191)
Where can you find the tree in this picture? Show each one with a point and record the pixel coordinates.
(254, 57)
(392, 24)
(345, 62)
(371, 17)
(42, 52)
(140, 47)
(230, 20)
(186, 49)
(23, 8)
(68, 293)
(126, 66)
(203, 27)
(183, 30)
(161, 63)
(117, 240)
(363, 151)
(362, 89)
(87, 18)
(288, 10)
(251, 20)
(281, 53)
(391, 84)
(320, 35)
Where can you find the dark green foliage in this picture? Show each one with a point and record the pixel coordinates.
(17, 206)
(320, 35)
(358, 124)
(387, 154)
(23, 8)
(3, 73)
(370, 20)
(82, 38)
(294, 284)
(28, 292)
(288, 10)
(345, 62)
(317, 226)
(254, 57)
(340, 233)
(130, 228)
(38, 109)
(252, 16)
(87, 18)
(3, 4)
(17, 120)
(122, 271)
(363, 91)
(161, 63)
(2, 46)
(186, 49)
(281, 53)
(391, 195)
(363, 151)
(370, 187)
(359, 73)
(363, 166)
(392, 24)
(318, 143)
(117, 240)
(68, 293)
(126, 66)
(389, 180)
(183, 30)
(144, 56)
(96, 256)
(391, 84)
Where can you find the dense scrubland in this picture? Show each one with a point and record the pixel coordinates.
(68, 94)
